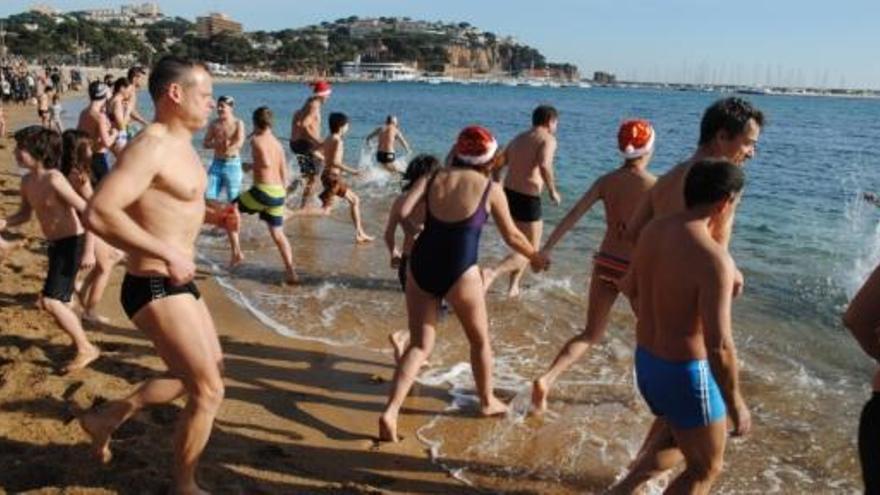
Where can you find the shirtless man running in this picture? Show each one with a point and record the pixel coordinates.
(94, 122)
(729, 130)
(152, 206)
(267, 195)
(681, 285)
(136, 77)
(305, 138)
(388, 134)
(530, 167)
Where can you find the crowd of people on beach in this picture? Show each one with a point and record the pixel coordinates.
(665, 249)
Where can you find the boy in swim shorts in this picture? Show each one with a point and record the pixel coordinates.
(46, 192)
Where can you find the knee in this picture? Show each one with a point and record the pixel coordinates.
(354, 199)
(208, 393)
(707, 470)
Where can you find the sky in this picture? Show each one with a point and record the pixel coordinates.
(759, 42)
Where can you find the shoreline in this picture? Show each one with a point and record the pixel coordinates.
(299, 415)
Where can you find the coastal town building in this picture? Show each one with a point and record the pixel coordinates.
(216, 23)
(380, 71)
(131, 14)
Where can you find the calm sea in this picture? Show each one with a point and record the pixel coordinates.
(803, 238)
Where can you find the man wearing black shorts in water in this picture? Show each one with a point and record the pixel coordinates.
(529, 159)
(862, 318)
(388, 134)
(305, 138)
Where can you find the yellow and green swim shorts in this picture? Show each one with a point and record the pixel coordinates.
(265, 199)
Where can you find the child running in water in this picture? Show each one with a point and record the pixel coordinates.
(419, 166)
(46, 192)
(620, 192)
(76, 160)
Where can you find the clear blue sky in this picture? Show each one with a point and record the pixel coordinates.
(792, 42)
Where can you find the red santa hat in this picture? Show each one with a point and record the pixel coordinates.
(635, 138)
(475, 145)
(321, 88)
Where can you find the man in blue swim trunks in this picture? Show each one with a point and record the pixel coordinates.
(225, 136)
(681, 284)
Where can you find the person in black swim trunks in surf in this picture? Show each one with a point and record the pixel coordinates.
(305, 140)
(388, 134)
(620, 192)
(152, 205)
(529, 159)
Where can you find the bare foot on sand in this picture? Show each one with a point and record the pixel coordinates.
(539, 396)
(387, 429)
(494, 408)
(398, 340)
(291, 278)
(513, 290)
(92, 317)
(488, 275)
(235, 260)
(99, 430)
(82, 359)
(363, 238)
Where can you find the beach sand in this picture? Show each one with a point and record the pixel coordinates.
(298, 417)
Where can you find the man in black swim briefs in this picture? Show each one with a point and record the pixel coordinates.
(388, 135)
(529, 160)
(160, 181)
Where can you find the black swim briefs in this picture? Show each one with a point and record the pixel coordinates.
(64, 258)
(523, 207)
(304, 151)
(139, 291)
(385, 157)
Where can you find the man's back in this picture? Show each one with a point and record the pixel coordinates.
(523, 155)
(90, 123)
(268, 159)
(677, 266)
(57, 218)
(386, 137)
(667, 195)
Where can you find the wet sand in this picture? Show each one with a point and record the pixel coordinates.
(299, 416)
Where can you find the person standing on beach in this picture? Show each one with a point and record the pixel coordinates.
(136, 77)
(118, 110)
(619, 191)
(267, 195)
(152, 205)
(44, 100)
(862, 318)
(94, 122)
(443, 265)
(681, 287)
(529, 160)
(388, 134)
(305, 138)
(46, 192)
(225, 136)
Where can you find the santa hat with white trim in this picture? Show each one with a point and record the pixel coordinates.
(321, 88)
(475, 146)
(635, 138)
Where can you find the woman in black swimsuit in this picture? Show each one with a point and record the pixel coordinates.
(443, 265)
